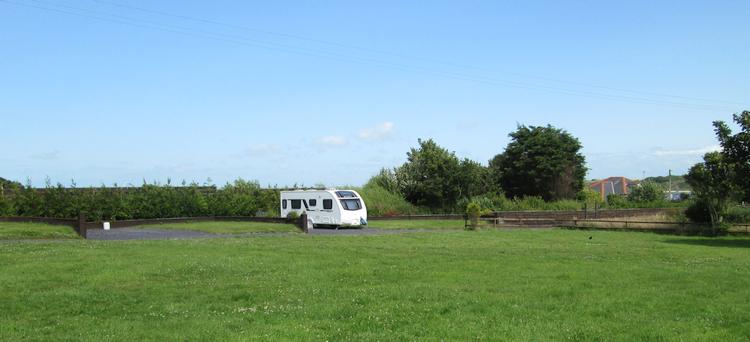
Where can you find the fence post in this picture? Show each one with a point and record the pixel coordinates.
(82, 224)
(585, 210)
(304, 223)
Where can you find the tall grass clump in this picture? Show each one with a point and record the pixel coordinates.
(498, 202)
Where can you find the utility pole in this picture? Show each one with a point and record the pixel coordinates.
(670, 185)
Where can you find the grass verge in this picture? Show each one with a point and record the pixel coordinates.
(227, 227)
(488, 285)
(29, 230)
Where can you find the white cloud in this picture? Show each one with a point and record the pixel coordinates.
(693, 152)
(378, 132)
(261, 150)
(332, 141)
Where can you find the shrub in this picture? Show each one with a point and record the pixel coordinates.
(473, 211)
(617, 201)
(293, 216)
(381, 202)
(646, 192)
(498, 202)
(491, 202)
(737, 215)
(385, 179)
(240, 198)
(6, 207)
(697, 212)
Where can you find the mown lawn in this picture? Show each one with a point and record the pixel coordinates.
(416, 224)
(226, 227)
(489, 285)
(28, 230)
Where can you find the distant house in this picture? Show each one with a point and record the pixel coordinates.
(613, 185)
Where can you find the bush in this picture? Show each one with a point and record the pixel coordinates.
(737, 215)
(646, 192)
(292, 217)
(498, 202)
(6, 207)
(382, 202)
(617, 201)
(473, 211)
(697, 212)
(240, 198)
(385, 179)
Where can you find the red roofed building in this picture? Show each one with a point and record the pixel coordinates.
(613, 185)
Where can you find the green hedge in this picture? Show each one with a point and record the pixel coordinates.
(239, 198)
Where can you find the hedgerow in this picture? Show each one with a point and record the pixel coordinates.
(239, 198)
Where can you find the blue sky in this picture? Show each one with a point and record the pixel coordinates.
(329, 92)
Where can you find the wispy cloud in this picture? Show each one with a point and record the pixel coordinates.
(378, 132)
(259, 150)
(692, 152)
(332, 141)
(53, 155)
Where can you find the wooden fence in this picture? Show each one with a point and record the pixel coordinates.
(671, 227)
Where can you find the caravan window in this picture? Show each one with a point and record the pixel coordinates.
(327, 204)
(283, 204)
(313, 202)
(345, 194)
(351, 204)
(296, 204)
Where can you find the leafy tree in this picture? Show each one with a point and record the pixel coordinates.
(7, 188)
(713, 184)
(736, 150)
(589, 197)
(646, 192)
(473, 178)
(385, 179)
(9, 184)
(430, 176)
(540, 161)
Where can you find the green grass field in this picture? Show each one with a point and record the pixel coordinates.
(416, 224)
(227, 227)
(489, 285)
(27, 230)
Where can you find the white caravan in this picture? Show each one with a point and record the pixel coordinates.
(326, 207)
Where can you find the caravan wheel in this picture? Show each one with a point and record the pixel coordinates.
(310, 224)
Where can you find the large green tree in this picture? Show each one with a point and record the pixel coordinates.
(713, 184)
(736, 150)
(540, 161)
(430, 176)
(473, 178)
(646, 192)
